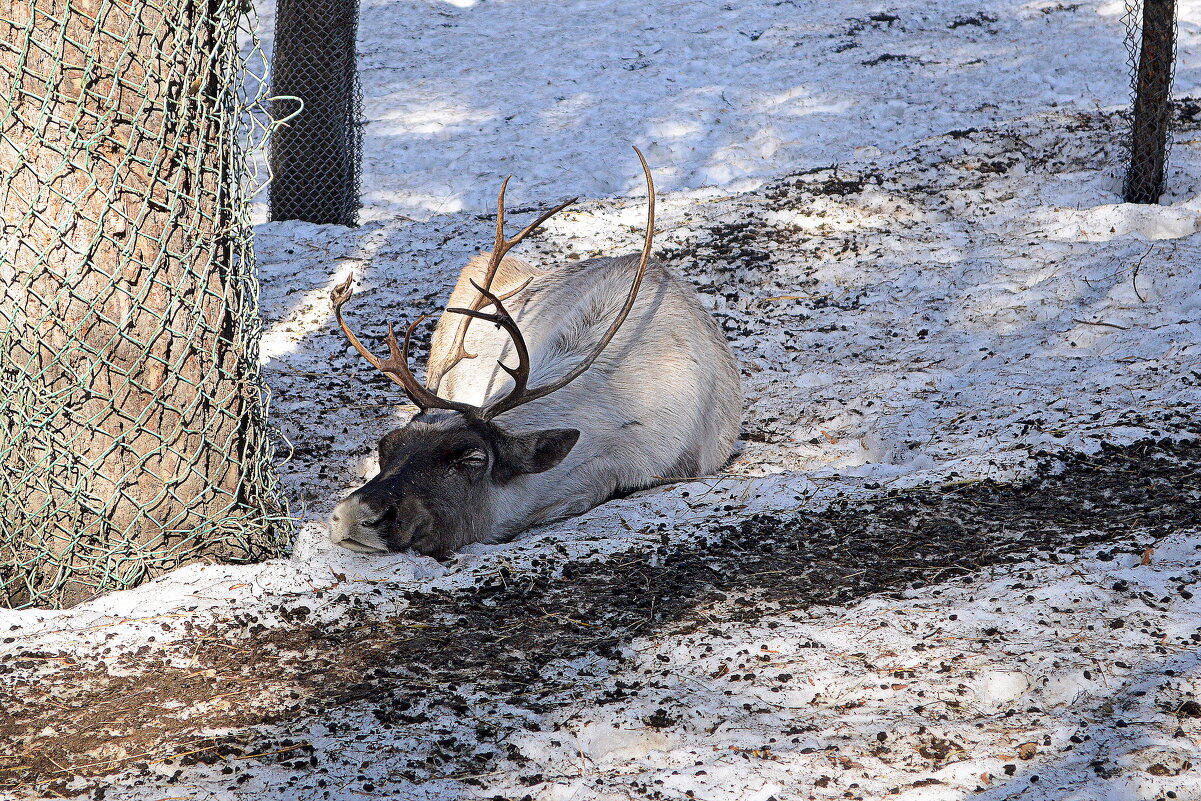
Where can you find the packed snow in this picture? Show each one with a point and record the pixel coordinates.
(906, 218)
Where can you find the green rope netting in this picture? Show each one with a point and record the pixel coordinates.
(133, 433)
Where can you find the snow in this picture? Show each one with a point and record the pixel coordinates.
(718, 94)
(906, 218)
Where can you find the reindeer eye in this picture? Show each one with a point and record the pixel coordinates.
(472, 458)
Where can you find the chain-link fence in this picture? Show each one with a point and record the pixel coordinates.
(132, 418)
(315, 156)
(1151, 43)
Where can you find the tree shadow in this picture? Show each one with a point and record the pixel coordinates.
(457, 656)
(1104, 750)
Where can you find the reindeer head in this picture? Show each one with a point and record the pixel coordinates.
(439, 475)
(437, 482)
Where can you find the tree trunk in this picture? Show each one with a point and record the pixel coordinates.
(1152, 103)
(130, 433)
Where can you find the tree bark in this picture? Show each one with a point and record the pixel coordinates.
(1152, 103)
(128, 418)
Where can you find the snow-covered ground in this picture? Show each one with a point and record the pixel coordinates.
(906, 219)
(725, 94)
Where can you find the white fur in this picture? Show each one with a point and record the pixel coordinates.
(663, 401)
(346, 527)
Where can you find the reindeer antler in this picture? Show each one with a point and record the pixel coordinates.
(499, 249)
(517, 398)
(396, 365)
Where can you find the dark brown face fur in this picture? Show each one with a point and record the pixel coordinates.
(434, 491)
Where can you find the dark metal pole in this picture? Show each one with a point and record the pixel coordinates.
(1152, 103)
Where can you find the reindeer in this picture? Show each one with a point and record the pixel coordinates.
(610, 394)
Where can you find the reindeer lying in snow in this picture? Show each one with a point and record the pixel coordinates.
(622, 381)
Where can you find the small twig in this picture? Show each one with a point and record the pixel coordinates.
(570, 620)
(458, 777)
(1134, 276)
(1102, 322)
(305, 744)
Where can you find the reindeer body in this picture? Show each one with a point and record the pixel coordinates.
(663, 400)
(586, 380)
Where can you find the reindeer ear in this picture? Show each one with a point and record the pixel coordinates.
(387, 447)
(518, 454)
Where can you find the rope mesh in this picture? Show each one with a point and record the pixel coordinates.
(1151, 48)
(316, 156)
(133, 430)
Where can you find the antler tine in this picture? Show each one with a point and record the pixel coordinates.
(396, 366)
(546, 215)
(513, 399)
(498, 252)
(515, 290)
(500, 248)
(338, 297)
(502, 318)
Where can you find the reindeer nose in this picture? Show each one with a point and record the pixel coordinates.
(353, 525)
